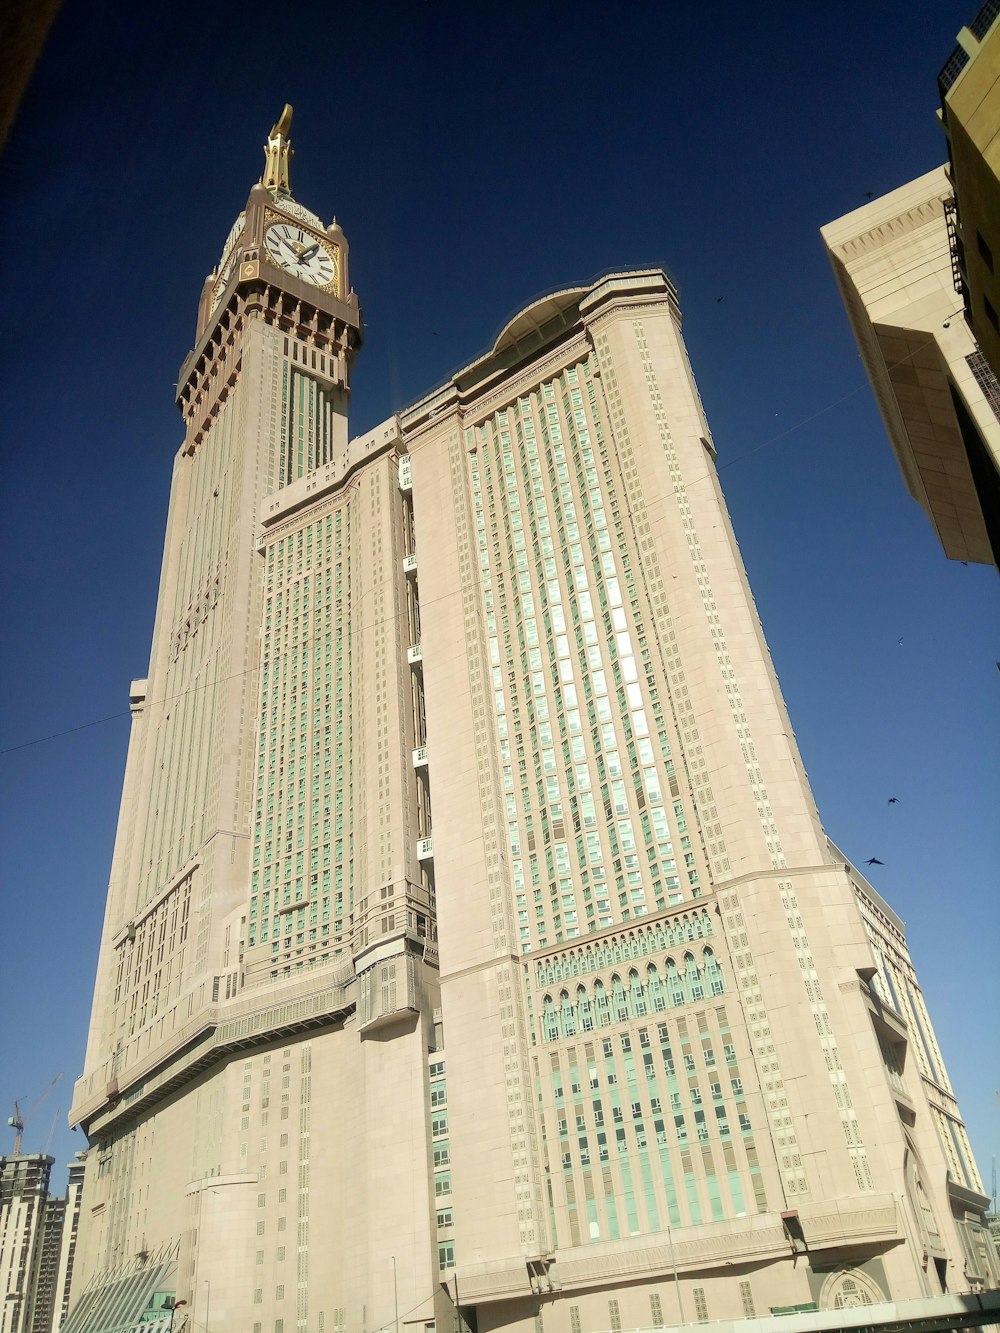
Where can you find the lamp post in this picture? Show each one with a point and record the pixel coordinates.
(395, 1293)
(208, 1298)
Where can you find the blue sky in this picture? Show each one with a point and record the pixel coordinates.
(475, 160)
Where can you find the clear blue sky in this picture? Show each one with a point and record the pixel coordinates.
(476, 155)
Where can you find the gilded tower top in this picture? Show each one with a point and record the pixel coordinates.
(277, 157)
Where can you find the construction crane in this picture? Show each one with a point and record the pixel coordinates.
(17, 1121)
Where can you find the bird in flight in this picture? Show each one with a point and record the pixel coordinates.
(893, 800)
(874, 861)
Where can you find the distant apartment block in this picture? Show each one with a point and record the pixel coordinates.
(37, 1243)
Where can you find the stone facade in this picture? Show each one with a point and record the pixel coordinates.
(938, 396)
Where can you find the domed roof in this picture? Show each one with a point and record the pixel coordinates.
(533, 318)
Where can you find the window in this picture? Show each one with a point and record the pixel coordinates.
(446, 1255)
(985, 253)
(444, 1217)
(746, 1295)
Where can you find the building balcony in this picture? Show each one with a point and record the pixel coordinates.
(425, 849)
(420, 756)
(415, 655)
(410, 563)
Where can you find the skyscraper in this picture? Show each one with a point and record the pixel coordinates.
(473, 945)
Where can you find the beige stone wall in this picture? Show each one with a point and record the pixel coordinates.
(893, 265)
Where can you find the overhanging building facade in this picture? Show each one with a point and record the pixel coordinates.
(473, 945)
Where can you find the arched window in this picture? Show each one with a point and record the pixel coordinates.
(654, 987)
(848, 1288)
(584, 1013)
(675, 986)
(712, 971)
(636, 994)
(619, 1002)
(567, 1015)
(692, 979)
(550, 1019)
(601, 1004)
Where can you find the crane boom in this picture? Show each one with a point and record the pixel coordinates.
(17, 1120)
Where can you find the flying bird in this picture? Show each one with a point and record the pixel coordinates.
(874, 861)
(893, 800)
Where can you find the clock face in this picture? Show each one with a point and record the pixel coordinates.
(300, 253)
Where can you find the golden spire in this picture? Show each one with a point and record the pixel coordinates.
(277, 156)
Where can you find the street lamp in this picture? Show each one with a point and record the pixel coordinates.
(395, 1292)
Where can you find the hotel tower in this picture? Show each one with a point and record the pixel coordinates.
(474, 954)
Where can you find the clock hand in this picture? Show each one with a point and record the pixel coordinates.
(307, 254)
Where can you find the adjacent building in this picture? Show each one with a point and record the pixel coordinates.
(473, 948)
(969, 87)
(917, 275)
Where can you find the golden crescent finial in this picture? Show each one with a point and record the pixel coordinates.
(284, 124)
(277, 156)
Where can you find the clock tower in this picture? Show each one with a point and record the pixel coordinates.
(282, 266)
(269, 944)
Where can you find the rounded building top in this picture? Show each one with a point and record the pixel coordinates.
(533, 318)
